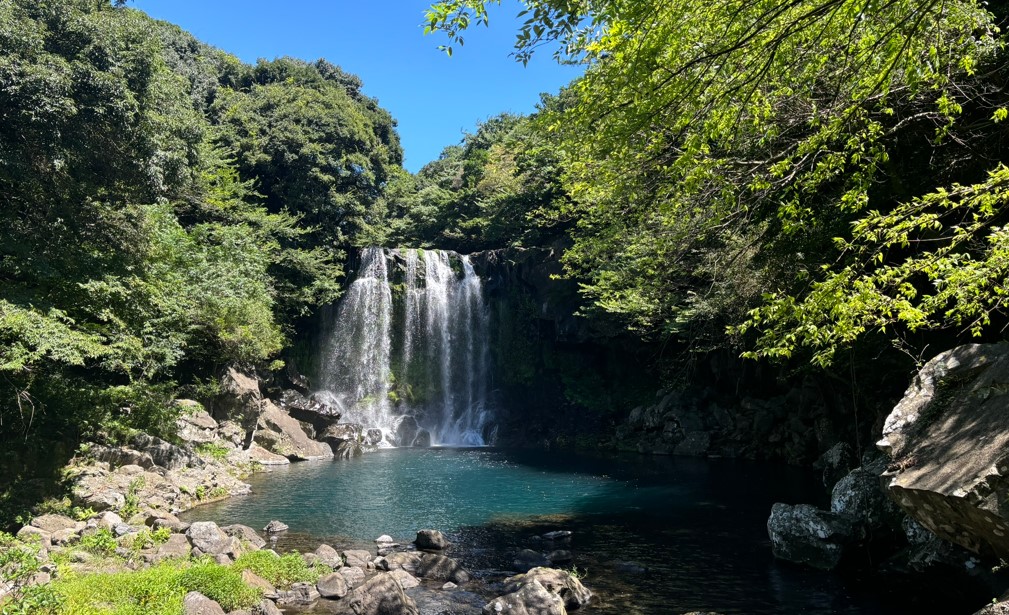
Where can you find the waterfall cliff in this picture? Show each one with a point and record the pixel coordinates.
(409, 352)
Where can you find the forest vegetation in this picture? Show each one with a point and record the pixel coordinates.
(782, 180)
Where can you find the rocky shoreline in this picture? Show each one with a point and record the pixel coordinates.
(392, 579)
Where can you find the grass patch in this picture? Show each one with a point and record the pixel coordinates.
(158, 590)
(280, 570)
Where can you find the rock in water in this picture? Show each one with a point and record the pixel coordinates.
(431, 539)
(558, 582)
(332, 586)
(531, 599)
(807, 535)
(275, 527)
(947, 438)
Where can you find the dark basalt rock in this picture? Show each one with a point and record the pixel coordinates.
(316, 413)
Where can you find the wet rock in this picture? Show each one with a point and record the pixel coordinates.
(527, 559)
(319, 415)
(807, 535)
(196, 603)
(382, 595)
(345, 450)
(947, 439)
(423, 439)
(836, 463)
(406, 431)
(558, 535)
(405, 579)
(630, 568)
(531, 599)
(694, 444)
(431, 539)
(558, 582)
(333, 586)
(373, 436)
(441, 568)
(275, 527)
(406, 560)
(560, 556)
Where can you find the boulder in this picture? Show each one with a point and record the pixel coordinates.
(276, 527)
(240, 401)
(195, 425)
(405, 579)
(281, 433)
(332, 586)
(807, 535)
(947, 439)
(317, 414)
(266, 607)
(246, 534)
(300, 595)
(54, 523)
(329, 556)
(255, 581)
(196, 603)
(404, 560)
(861, 497)
(264, 457)
(165, 454)
(373, 436)
(694, 444)
(423, 439)
(406, 431)
(357, 557)
(353, 575)
(531, 599)
(527, 559)
(30, 533)
(207, 538)
(176, 547)
(558, 582)
(836, 463)
(382, 595)
(431, 539)
(119, 456)
(441, 568)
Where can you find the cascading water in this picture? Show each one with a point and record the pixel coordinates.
(412, 357)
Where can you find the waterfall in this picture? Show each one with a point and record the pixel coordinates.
(409, 353)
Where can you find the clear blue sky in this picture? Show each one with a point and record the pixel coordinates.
(433, 97)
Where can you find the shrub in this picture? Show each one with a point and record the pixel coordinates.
(223, 584)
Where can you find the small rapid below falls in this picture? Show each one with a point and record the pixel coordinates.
(409, 351)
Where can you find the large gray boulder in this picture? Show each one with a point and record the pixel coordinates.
(311, 411)
(441, 568)
(860, 496)
(558, 582)
(282, 434)
(240, 401)
(806, 535)
(381, 595)
(947, 439)
(530, 599)
(209, 539)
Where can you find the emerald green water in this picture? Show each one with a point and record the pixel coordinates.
(698, 527)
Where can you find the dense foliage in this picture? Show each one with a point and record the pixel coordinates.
(166, 210)
(819, 173)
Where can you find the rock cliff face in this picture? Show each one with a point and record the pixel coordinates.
(948, 440)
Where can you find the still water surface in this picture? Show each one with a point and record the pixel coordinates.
(697, 527)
